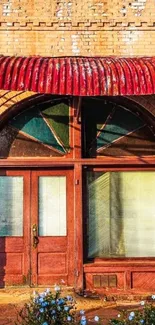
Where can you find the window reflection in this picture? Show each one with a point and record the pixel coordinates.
(121, 214)
(11, 206)
(52, 206)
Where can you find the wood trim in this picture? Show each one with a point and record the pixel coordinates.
(76, 131)
(27, 232)
(67, 162)
(71, 128)
(70, 225)
(78, 228)
(34, 221)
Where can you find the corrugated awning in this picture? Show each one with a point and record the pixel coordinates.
(79, 76)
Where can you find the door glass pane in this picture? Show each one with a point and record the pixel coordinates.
(52, 206)
(121, 214)
(11, 206)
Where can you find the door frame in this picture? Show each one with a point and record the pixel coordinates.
(30, 175)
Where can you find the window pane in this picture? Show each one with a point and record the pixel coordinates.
(52, 206)
(121, 214)
(11, 206)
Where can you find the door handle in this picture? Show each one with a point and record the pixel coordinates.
(35, 236)
(35, 241)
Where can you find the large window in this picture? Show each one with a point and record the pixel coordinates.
(121, 214)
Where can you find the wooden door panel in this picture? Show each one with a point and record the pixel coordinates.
(143, 280)
(11, 244)
(14, 250)
(52, 263)
(56, 245)
(52, 259)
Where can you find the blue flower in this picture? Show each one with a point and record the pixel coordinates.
(141, 321)
(69, 318)
(41, 299)
(44, 304)
(42, 294)
(82, 312)
(52, 302)
(45, 323)
(66, 308)
(96, 318)
(130, 317)
(60, 301)
(41, 310)
(132, 314)
(53, 312)
(69, 298)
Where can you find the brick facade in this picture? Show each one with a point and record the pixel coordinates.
(73, 27)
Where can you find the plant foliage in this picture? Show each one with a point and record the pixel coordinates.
(47, 308)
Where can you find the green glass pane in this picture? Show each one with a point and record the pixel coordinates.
(138, 143)
(58, 118)
(32, 123)
(122, 123)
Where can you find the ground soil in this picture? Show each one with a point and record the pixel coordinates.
(13, 299)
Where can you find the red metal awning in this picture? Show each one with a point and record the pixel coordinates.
(79, 76)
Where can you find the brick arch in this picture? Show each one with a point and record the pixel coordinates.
(10, 100)
(143, 105)
(147, 103)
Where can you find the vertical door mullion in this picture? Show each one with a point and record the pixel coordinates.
(26, 225)
(34, 223)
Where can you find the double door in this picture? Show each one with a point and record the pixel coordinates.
(36, 227)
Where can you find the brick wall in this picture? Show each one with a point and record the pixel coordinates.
(77, 27)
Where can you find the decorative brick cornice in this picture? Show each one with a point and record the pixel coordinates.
(94, 25)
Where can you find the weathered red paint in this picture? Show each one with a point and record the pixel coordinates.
(79, 76)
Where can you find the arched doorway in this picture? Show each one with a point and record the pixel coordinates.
(36, 203)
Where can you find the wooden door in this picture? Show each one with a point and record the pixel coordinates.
(14, 227)
(52, 227)
(36, 227)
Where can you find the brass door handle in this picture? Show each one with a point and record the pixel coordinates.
(35, 241)
(35, 235)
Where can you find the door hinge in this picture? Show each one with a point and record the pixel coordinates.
(76, 273)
